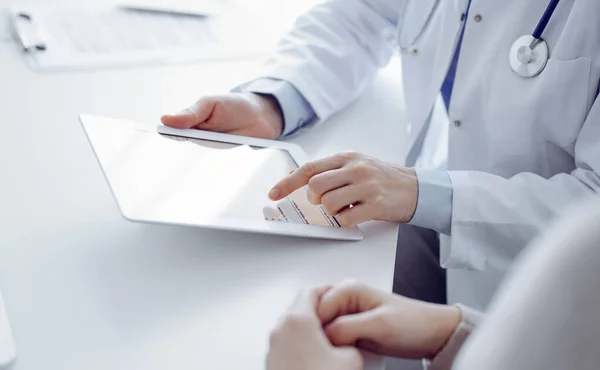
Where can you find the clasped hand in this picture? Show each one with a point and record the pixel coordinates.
(325, 326)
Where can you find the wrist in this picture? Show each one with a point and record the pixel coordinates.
(446, 320)
(410, 188)
(270, 110)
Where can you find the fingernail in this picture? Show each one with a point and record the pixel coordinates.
(274, 193)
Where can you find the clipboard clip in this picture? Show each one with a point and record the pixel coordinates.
(26, 32)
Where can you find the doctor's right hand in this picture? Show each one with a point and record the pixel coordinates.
(245, 114)
(355, 188)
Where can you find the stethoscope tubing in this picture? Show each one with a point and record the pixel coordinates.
(543, 23)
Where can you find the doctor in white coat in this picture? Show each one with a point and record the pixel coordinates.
(504, 129)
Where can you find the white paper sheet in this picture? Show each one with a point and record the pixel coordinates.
(78, 37)
(5, 29)
(191, 7)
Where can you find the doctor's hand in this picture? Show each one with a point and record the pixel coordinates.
(245, 114)
(356, 315)
(299, 343)
(356, 188)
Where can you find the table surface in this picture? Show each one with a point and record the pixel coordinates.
(86, 289)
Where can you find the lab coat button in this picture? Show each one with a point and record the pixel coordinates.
(457, 123)
(414, 51)
(478, 18)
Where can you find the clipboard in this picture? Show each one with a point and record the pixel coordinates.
(71, 37)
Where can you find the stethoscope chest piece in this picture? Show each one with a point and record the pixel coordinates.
(528, 56)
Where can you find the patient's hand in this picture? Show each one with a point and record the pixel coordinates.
(245, 114)
(356, 315)
(298, 342)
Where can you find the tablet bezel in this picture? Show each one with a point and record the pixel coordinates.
(225, 223)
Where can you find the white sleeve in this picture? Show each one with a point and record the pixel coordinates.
(445, 358)
(494, 218)
(334, 50)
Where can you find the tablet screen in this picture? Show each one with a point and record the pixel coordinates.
(185, 179)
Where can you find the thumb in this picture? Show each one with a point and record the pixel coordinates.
(349, 330)
(350, 357)
(191, 117)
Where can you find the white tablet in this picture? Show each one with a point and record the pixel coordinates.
(158, 174)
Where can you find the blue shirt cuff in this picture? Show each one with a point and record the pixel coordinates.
(297, 111)
(434, 205)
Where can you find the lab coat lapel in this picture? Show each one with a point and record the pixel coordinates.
(425, 65)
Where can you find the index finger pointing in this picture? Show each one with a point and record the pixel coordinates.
(300, 177)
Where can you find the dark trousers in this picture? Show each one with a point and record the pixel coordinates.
(418, 275)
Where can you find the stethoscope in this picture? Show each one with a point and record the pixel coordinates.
(528, 55)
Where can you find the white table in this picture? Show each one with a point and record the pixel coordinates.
(86, 289)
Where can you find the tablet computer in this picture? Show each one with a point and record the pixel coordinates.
(158, 174)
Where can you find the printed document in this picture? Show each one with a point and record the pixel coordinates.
(83, 37)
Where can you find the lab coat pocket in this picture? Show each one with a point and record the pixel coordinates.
(561, 100)
(414, 21)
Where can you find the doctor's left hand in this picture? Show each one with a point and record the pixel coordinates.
(299, 342)
(356, 188)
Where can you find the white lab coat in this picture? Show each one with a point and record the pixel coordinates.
(525, 148)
